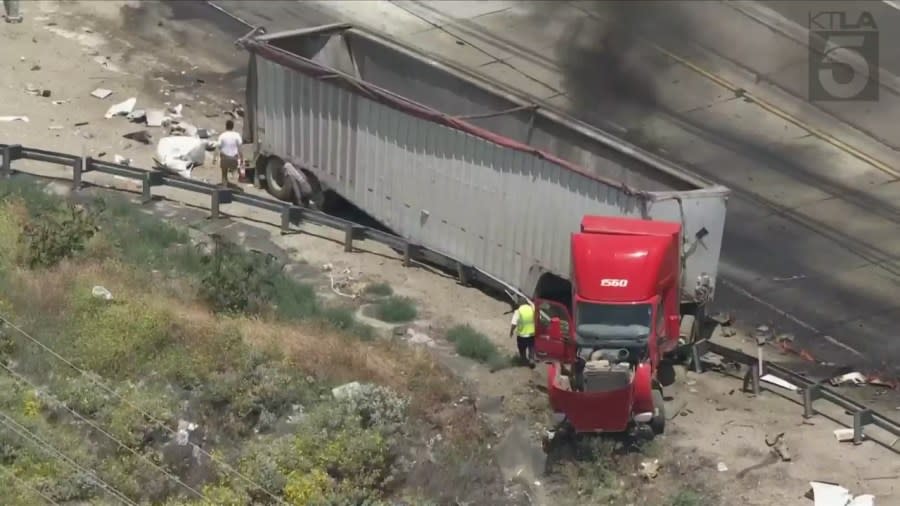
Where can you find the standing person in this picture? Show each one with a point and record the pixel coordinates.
(522, 326)
(230, 157)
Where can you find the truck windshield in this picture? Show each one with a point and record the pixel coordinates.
(598, 322)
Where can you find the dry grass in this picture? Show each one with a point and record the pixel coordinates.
(312, 348)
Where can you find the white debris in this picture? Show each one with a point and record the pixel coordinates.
(855, 378)
(101, 293)
(61, 102)
(183, 436)
(843, 435)
(121, 109)
(101, 93)
(649, 469)
(827, 494)
(775, 380)
(176, 111)
(721, 467)
(419, 338)
(155, 117)
(181, 153)
(14, 118)
(121, 160)
(136, 114)
(345, 391)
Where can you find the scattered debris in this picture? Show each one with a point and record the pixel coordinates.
(82, 123)
(101, 293)
(181, 154)
(155, 117)
(35, 67)
(346, 390)
(136, 115)
(101, 154)
(61, 102)
(176, 111)
(419, 338)
(775, 380)
(649, 469)
(832, 494)
(855, 378)
(784, 337)
(55, 127)
(121, 109)
(121, 160)
(728, 332)
(101, 93)
(14, 118)
(183, 436)
(721, 467)
(779, 447)
(725, 319)
(183, 128)
(203, 133)
(844, 435)
(141, 136)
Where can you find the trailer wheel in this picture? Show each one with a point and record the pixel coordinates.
(658, 422)
(275, 180)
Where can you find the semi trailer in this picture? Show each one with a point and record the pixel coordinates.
(459, 164)
(617, 247)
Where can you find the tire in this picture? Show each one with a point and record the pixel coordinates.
(275, 180)
(658, 422)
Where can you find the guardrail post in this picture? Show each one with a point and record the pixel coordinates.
(77, 168)
(151, 178)
(409, 252)
(351, 232)
(462, 273)
(219, 196)
(697, 351)
(810, 394)
(10, 153)
(752, 378)
(861, 418)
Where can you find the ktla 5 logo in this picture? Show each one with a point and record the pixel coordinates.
(843, 59)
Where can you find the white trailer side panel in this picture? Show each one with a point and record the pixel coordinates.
(504, 211)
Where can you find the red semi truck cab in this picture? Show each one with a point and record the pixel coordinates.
(605, 349)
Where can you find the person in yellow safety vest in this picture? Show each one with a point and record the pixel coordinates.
(522, 326)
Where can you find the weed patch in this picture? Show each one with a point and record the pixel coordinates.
(472, 344)
(395, 310)
(378, 289)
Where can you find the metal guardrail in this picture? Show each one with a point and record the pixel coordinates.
(466, 274)
(811, 390)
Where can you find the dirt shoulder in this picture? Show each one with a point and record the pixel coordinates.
(80, 46)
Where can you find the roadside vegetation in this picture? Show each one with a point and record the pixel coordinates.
(182, 374)
(473, 344)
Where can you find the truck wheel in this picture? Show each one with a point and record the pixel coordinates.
(276, 183)
(658, 422)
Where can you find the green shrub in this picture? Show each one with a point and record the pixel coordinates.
(379, 289)
(471, 343)
(395, 310)
(130, 425)
(294, 301)
(52, 237)
(112, 339)
(236, 281)
(344, 319)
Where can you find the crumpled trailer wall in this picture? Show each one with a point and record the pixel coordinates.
(484, 198)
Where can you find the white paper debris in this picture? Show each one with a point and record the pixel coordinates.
(826, 494)
(155, 117)
(768, 378)
(856, 378)
(721, 467)
(180, 153)
(101, 293)
(14, 118)
(121, 109)
(101, 93)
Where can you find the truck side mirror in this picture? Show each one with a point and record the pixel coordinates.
(555, 329)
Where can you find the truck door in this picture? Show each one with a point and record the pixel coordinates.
(554, 336)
